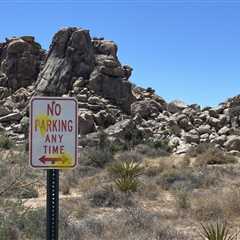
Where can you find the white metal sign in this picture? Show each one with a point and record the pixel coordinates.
(53, 132)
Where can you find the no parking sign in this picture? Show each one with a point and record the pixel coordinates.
(53, 132)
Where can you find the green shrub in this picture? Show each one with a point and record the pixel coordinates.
(126, 169)
(133, 137)
(127, 184)
(158, 144)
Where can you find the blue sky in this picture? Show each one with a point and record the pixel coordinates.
(188, 50)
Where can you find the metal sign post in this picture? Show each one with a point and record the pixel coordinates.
(52, 204)
(53, 146)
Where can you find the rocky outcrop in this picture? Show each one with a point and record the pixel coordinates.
(70, 56)
(75, 61)
(20, 62)
(89, 70)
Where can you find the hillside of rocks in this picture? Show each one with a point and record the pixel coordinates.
(88, 68)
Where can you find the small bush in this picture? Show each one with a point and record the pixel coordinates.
(158, 144)
(130, 156)
(199, 149)
(168, 233)
(149, 191)
(168, 177)
(208, 154)
(231, 202)
(208, 207)
(133, 137)
(214, 156)
(190, 178)
(26, 192)
(88, 183)
(65, 187)
(182, 199)
(5, 142)
(146, 150)
(78, 207)
(137, 218)
(96, 157)
(108, 197)
(154, 167)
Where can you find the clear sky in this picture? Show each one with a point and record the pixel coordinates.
(185, 49)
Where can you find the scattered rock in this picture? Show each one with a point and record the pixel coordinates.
(233, 143)
(86, 123)
(12, 117)
(190, 138)
(146, 108)
(176, 106)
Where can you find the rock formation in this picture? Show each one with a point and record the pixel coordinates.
(21, 60)
(75, 60)
(88, 69)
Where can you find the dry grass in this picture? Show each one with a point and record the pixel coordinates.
(154, 167)
(129, 156)
(207, 154)
(149, 191)
(215, 205)
(76, 207)
(207, 207)
(171, 188)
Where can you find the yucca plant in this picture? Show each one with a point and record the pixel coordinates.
(127, 184)
(126, 169)
(125, 175)
(217, 232)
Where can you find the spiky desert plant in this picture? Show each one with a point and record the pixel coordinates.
(126, 169)
(125, 175)
(217, 232)
(127, 184)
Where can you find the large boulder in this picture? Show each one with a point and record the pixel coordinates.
(233, 143)
(176, 106)
(4, 92)
(109, 78)
(70, 56)
(20, 62)
(191, 138)
(146, 108)
(121, 129)
(11, 117)
(104, 119)
(116, 89)
(4, 111)
(86, 122)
